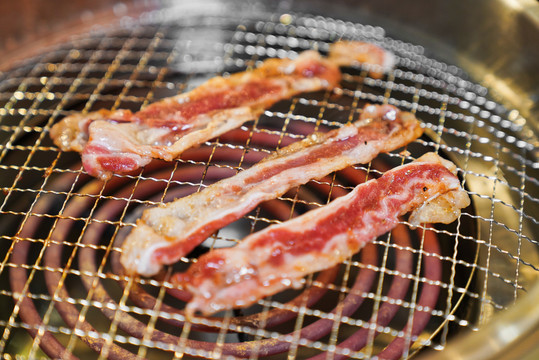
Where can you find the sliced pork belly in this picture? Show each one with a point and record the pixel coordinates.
(279, 256)
(166, 233)
(121, 141)
(346, 53)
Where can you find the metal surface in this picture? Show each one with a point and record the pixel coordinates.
(411, 290)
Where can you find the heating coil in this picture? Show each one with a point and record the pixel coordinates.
(410, 290)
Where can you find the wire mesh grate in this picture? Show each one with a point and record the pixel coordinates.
(66, 293)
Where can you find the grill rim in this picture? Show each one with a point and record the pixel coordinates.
(492, 340)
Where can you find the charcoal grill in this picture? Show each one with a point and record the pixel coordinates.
(430, 291)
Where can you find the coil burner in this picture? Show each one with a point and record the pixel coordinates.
(61, 230)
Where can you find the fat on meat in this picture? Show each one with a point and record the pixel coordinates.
(166, 233)
(279, 256)
(120, 141)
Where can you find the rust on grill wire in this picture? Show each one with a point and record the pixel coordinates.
(64, 293)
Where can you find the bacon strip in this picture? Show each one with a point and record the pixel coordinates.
(121, 141)
(164, 234)
(279, 256)
(346, 53)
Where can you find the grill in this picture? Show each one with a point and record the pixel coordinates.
(64, 293)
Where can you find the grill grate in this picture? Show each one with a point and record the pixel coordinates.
(61, 230)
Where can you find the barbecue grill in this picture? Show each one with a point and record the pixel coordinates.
(466, 290)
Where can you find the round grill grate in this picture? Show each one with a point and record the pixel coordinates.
(413, 288)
